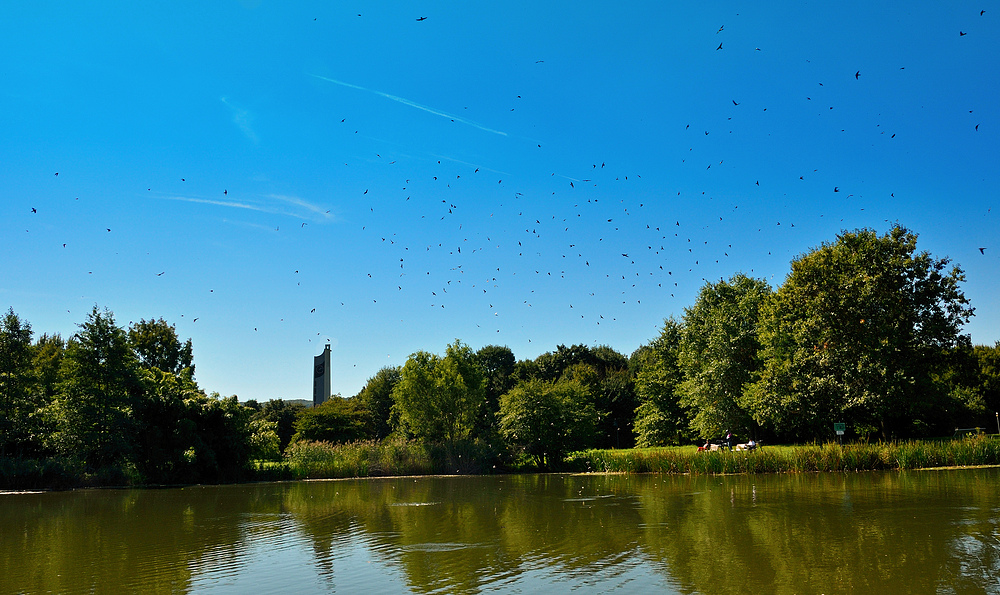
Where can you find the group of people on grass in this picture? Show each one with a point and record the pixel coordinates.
(729, 441)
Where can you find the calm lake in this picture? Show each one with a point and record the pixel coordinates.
(884, 533)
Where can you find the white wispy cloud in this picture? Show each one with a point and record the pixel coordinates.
(275, 204)
(312, 208)
(475, 165)
(413, 104)
(241, 118)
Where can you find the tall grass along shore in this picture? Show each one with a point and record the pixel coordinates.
(831, 457)
(323, 460)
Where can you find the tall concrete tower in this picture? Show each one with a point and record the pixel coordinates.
(321, 377)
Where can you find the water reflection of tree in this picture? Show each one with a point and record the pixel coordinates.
(825, 533)
(106, 541)
(462, 534)
(863, 533)
(887, 533)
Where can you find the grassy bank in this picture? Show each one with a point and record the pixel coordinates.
(322, 460)
(977, 450)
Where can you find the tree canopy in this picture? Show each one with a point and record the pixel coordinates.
(854, 335)
(548, 419)
(718, 354)
(438, 398)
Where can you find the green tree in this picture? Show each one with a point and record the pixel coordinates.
(989, 374)
(718, 355)
(439, 398)
(16, 383)
(376, 400)
(47, 358)
(660, 419)
(47, 361)
(548, 419)
(336, 420)
(611, 386)
(222, 438)
(265, 445)
(156, 345)
(167, 428)
(283, 415)
(551, 365)
(97, 394)
(856, 334)
(497, 365)
(615, 399)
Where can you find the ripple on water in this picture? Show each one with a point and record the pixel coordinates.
(414, 503)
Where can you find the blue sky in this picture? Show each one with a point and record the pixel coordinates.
(270, 178)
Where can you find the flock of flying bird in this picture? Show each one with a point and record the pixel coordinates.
(460, 266)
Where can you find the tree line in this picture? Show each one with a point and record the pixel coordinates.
(865, 330)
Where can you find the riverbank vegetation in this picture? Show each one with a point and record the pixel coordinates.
(830, 457)
(864, 331)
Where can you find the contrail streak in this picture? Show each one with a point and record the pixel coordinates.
(316, 211)
(409, 103)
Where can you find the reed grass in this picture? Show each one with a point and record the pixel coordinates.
(830, 457)
(369, 458)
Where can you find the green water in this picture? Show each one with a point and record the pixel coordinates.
(884, 533)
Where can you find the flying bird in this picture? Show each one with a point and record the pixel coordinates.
(422, 19)
(718, 48)
(982, 250)
(961, 33)
(857, 75)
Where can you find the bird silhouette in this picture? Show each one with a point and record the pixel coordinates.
(422, 19)
(982, 250)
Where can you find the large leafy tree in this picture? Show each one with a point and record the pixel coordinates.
(660, 419)
(336, 420)
(156, 345)
(988, 359)
(376, 400)
(614, 397)
(167, 429)
(548, 419)
(16, 383)
(718, 354)
(283, 415)
(439, 398)
(856, 334)
(98, 393)
(497, 364)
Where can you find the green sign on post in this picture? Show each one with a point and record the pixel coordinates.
(840, 429)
